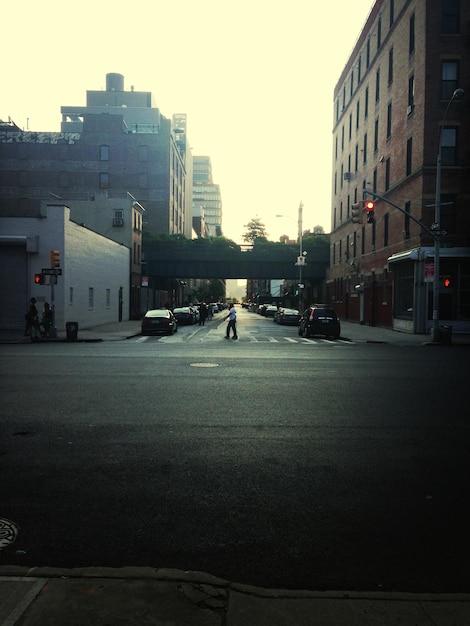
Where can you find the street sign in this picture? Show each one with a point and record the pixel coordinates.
(52, 271)
(428, 272)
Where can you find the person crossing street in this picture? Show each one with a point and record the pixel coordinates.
(232, 324)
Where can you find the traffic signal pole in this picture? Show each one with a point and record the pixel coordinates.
(436, 235)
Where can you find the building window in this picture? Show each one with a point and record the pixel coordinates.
(389, 120)
(449, 146)
(366, 102)
(412, 35)
(71, 295)
(108, 298)
(368, 53)
(104, 180)
(356, 158)
(449, 74)
(385, 230)
(392, 13)
(448, 211)
(118, 217)
(377, 86)
(406, 229)
(358, 110)
(91, 297)
(387, 174)
(104, 153)
(409, 155)
(404, 288)
(364, 160)
(374, 179)
(359, 70)
(379, 33)
(376, 135)
(390, 66)
(411, 93)
(450, 17)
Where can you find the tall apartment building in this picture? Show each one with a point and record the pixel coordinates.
(395, 109)
(207, 202)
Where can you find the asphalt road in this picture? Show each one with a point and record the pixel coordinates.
(275, 462)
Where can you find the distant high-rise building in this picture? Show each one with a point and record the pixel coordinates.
(206, 196)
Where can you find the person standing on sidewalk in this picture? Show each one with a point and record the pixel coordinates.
(232, 324)
(202, 313)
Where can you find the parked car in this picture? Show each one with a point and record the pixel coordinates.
(319, 319)
(184, 315)
(270, 311)
(289, 317)
(159, 322)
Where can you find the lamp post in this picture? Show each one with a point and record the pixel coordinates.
(436, 227)
(301, 258)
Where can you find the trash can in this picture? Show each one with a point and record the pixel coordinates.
(71, 329)
(445, 334)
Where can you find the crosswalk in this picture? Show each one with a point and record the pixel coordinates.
(214, 336)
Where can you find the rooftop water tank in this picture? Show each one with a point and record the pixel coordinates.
(114, 82)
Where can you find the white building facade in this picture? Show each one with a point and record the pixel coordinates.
(93, 286)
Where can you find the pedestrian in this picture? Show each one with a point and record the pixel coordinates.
(232, 322)
(46, 321)
(33, 329)
(202, 313)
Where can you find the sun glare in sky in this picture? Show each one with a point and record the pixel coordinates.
(255, 79)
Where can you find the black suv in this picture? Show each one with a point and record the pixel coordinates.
(319, 319)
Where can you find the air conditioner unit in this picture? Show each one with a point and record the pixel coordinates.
(409, 109)
(406, 234)
(347, 176)
(118, 222)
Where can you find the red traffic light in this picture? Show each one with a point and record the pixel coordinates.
(369, 206)
(447, 282)
(39, 279)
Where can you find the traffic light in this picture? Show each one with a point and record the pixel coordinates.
(370, 208)
(39, 279)
(55, 258)
(446, 282)
(356, 212)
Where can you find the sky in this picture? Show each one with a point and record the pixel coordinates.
(254, 77)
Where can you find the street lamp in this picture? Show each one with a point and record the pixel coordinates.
(301, 258)
(436, 227)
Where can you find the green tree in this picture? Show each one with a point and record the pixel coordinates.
(255, 229)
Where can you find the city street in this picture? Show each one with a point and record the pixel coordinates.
(274, 460)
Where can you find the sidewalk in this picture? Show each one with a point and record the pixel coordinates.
(144, 596)
(118, 331)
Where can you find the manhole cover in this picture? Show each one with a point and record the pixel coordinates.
(8, 532)
(204, 365)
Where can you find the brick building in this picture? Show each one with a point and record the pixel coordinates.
(394, 111)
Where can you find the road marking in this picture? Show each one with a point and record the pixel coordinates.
(204, 364)
(8, 532)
